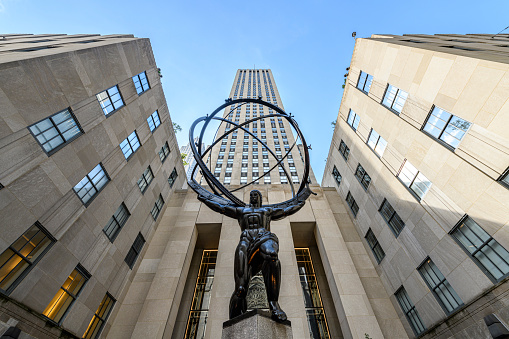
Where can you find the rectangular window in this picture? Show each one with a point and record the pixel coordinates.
(117, 221)
(394, 98)
(130, 145)
(100, 317)
(351, 202)
(227, 180)
(173, 177)
(336, 175)
(68, 293)
(344, 150)
(408, 308)
(504, 178)
(353, 120)
(442, 290)
(153, 121)
(414, 180)
(55, 131)
(482, 248)
(377, 143)
(364, 83)
(141, 82)
(91, 184)
(446, 127)
(19, 258)
(164, 152)
(135, 250)
(377, 250)
(392, 218)
(110, 100)
(145, 180)
(362, 176)
(158, 205)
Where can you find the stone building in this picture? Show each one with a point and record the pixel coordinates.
(420, 154)
(88, 160)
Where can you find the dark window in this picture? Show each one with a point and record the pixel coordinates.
(135, 250)
(110, 100)
(362, 176)
(391, 217)
(153, 121)
(377, 250)
(364, 83)
(504, 178)
(91, 184)
(377, 143)
(130, 145)
(173, 176)
(442, 290)
(19, 258)
(482, 248)
(145, 179)
(411, 313)
(353, 120)
(100, 317)
(344, 150)
(336, 175)
(54, 132)
(158, 205)
(446, 127)
(164, 152)
(352, 204)
(141, 82)
(414, 180)
(117, 221)
(394, 98)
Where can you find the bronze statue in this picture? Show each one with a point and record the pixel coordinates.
(257, 250)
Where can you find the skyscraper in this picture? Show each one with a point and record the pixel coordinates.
(88, 160)
(420, 155)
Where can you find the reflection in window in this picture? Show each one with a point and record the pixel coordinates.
(116, 222)
(446, 127)
(352, 204)
(145, 179)
(364, 83)
(201, 299)
(91, 184)
(344, 150)
(130, 145)
(362, 176)
(153, 121)
(373, 243)
(392, 218)
(100, 317)
(141, 82)
(110, 100)
(410, 312)
(134, 251)
(336, 175)
(353, 120)
(164, 152)
(414, 180)
(158, 206)
(394, 98)
(315, 313)
(377, 143)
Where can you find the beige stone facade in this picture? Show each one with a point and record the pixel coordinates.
(468, 77)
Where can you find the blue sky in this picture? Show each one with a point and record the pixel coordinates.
(199, 45)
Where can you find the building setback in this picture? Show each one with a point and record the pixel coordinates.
(88, 160)
(420, 154)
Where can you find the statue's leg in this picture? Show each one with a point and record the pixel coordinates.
(238, 302)
(271, 270)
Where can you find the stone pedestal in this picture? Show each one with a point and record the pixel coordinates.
(256, 324)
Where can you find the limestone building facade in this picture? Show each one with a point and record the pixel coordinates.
(420, 156)
(88, 159)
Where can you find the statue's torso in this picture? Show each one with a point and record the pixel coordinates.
(253, 218)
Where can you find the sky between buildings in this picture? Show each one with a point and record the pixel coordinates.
(199, 45)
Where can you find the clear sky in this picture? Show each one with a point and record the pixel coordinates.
(199, 45)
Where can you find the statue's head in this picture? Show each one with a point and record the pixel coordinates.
(255, 198)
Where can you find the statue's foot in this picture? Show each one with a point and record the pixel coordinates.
(277, 313)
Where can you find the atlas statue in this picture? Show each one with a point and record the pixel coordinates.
(258, 247)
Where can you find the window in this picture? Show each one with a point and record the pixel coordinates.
(446, 127)
(353, 120)
(377, 250)
(410, 312)
(153, 121)
(504, 178)
(68, 293)
(19, 258)
(336, 175)
(344, 150)
(377, 143)
(482, 248)
(173, 177)
(117, 221)
(164, 152)
(227, 180)
(364, 83)
(442, 290)
(414, 180)
(145, 180)
(91, 184)
(362, 176)
(351, 202)
(135, 250)
(110, 100)
(100, 317)
(157, 207)
(266, 180)
(54, 132)
(394, 98)
(392, 218)
(130, 145)
(141, 82)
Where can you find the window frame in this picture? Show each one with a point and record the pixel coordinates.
(118, 224)
(503, 176)
(103, 319)
(365, 81)
(163, 152)
(350, 204)
(413, 181)
(377, 143)
(130, 146)
(346, 150)
(156, 206)
(362, 180)
(173, 177)
(335, 175)
(141, 84)
(109, 98)
(135, 250)
(374, 245)
(89, 201)
(411, 308)
(437, 139)
(144, 178)
(355, 116)
(391, 108)
(394, 214)
(151, 118)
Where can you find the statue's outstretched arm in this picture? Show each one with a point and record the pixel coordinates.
(280, 213)
(226, 209)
